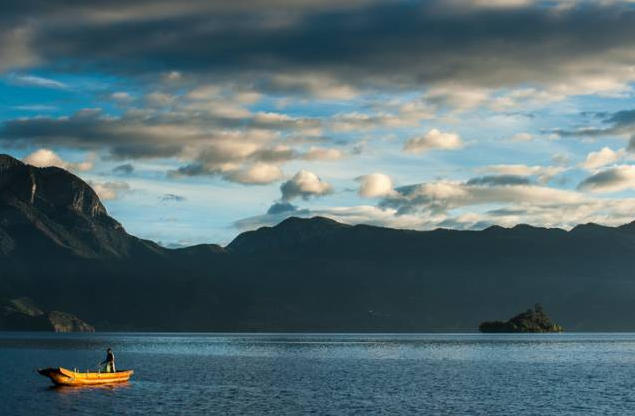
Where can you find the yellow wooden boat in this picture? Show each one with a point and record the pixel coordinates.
(63, 377)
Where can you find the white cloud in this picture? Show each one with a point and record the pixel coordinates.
(602, 157)
(375, 185)
(109, 190)
(121, 96)
(434, 139)
(257, 174)
(44, 158)
(304, 184)
(36, 81)
(522, 137)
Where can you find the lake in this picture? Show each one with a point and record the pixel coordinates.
(326, 374)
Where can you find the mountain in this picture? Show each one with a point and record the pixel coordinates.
(59, 247)
(22, 314)
(51, 211)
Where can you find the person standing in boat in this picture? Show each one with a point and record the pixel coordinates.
(110, 361)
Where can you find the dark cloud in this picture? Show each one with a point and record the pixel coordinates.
(499, 180)
(281, 207)
(358, 43)
(243, 154)
(504, 212)
(91, 130)
(622, 118)
(610, 180)
(125, 169)
(172, 198)
(246, 155)
(619, 123)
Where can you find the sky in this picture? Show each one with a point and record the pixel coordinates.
(195, 120)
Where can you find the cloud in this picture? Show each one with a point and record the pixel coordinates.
(320, 153)
(90, 129)
(172, 198)
(431, 37)
(241, 153)
(602, 157)
(121, 96)
(16, 50)
(526, 99)
(615, 179)
(434, 139)
(304, 184)
(458, 98)
(543, 173)
(402, 116)
(499, 180)
(375, 185)
(125, 169)
(522, 137)
(442, 196)
(44, 158)
(281, 208)
(32, 80)
(314, 84)
(35, 107)
(245, 161)
(620, 123)
(257, 174)
(109, 190)
(562, 215)
(335, 50)
(474, 204)
(159, 99)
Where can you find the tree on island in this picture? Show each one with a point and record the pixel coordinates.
(535, 320)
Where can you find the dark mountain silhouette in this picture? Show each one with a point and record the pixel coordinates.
(22, 314)
(59, 247)
(50, 211)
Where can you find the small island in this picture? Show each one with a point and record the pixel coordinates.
(529, 321)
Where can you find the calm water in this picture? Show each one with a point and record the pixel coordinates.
(274, 374)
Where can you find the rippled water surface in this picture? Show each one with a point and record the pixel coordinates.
(281, 374)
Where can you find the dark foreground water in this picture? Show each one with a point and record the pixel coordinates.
(275, 374)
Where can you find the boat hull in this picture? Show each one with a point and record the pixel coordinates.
(63, 377)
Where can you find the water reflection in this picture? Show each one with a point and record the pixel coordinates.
(76, 390)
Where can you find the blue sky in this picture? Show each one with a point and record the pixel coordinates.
(197, 120)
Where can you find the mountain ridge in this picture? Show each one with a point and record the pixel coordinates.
(59, 247)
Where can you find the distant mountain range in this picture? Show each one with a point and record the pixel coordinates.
(60, 248)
